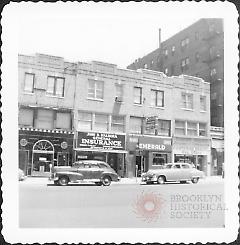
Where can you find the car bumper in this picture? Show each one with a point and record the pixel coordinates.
(149, 178)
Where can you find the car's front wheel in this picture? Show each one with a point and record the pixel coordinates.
(63, 181)
(195, 180)
(106, 181)
(161, 180)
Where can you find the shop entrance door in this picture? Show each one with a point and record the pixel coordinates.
(42, 158)
(140, 165)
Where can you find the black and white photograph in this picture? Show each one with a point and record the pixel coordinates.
(120, 122)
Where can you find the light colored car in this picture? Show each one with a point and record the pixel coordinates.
(21, 175)
(85, 171)
(173, 172)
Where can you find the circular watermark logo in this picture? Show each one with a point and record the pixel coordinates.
(148, 206)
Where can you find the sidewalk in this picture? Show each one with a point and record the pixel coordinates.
(45, 181)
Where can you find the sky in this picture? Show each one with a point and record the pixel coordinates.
(117, 33)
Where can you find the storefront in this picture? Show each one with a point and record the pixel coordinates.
(194, 151)
(147, 152)
(107, 147)
(40, 149)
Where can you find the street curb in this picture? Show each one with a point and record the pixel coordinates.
(123, 181)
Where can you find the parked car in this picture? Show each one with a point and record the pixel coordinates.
(173, 172)
(21, 175)
(95, 171)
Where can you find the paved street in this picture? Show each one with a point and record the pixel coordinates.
(121, 205)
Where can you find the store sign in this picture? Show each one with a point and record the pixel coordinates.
(102, 141)
(154, 144)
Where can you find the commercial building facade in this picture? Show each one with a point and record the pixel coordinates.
(197, 50)
(134, 120)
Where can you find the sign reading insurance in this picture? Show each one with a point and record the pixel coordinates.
(102, 141)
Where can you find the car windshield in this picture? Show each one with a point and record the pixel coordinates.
(168, 166)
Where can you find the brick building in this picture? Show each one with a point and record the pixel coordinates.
(134, 120)
(198, 50)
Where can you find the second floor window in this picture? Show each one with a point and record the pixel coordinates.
(135, 125)
(187, 101)
(203, 104)
(118, 124)
(55, 86)
(180, 127)
(192, 129)
(63, 120)
(157, 98)
(173, 50)
(25, 117)
(101, 122)
(44, 119)
(164, 127)
(29, 82)
(137, 95)
(202, 129)
(84, 121)
(95, 89)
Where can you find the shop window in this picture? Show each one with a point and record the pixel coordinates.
(118, 124)
(84, 121)
(45, 119)
(101, 122)
(29, 82)
(55, 86)
(95, 89)
(180, 127)
(157, 98)
(164, 127)
(187, 101)
(135, 125)
(137, 95)
(63, 120)
(202, 129)
(159, 159)
(26, 118)
(192, 129)
(203, 103)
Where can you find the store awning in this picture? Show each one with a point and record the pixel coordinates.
(100, 150)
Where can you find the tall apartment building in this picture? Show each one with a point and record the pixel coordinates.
(134, 120)
(198, 50)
